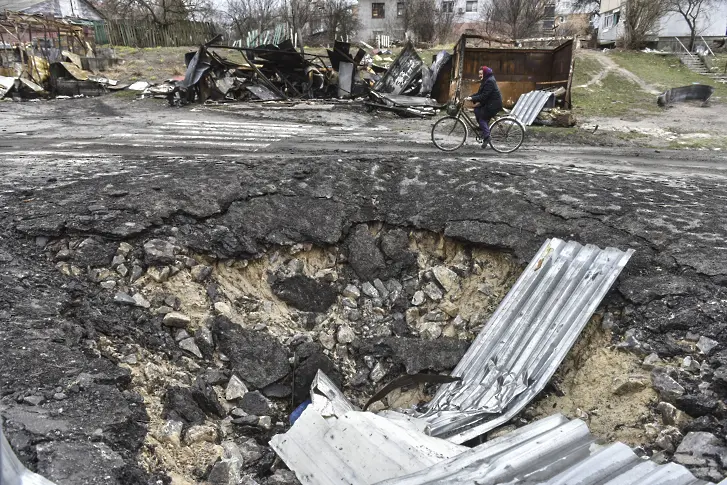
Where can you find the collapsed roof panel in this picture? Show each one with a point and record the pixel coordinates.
(526, 339)
(402, 73)
(362, 448)
(553, 451)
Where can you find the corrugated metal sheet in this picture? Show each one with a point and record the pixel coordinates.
(553, 451)
(525, 340)
(12, 472)
(529, 106)
(359, 448)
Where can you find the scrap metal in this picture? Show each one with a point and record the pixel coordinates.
(693, 92)
(403, 73)
(526, 339)
(530, 105)
(358, 448)
(553, 450)
(333, 444)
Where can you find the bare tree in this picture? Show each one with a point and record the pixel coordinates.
(161, 12)
(299, 13)
(586, 6)
(516, 19)
(339, 18)
(249, 15)
(691, 11)
(640, 17)
(428, 20)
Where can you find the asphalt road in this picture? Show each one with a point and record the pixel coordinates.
(234, 182)
(112, 127)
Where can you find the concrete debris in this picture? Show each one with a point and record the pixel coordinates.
(706, 344)
(200, 433)
(190, 346)
(668, 388)
(176, 320)
(235, 389)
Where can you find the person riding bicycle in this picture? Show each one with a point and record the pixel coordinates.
(488, 102)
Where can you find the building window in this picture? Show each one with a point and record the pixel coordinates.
(548, 25)
(448, 6)
(377, 10)
(616, 17)
(550, 11)
(471, 6)
(400, 9)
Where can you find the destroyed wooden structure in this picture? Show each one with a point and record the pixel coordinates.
(31, 44)
(518, 70)
(281, 73)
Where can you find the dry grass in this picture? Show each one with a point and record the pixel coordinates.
(156, 64)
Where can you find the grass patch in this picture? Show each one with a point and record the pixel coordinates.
(715, 142)
(720, 62)
(584, 70)
(615, 96)
(664, 72)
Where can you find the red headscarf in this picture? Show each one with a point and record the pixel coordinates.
(486, 71)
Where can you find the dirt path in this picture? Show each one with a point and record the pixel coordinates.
(610, 66)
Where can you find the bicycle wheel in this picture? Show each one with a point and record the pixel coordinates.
(449, 133)
(506, 135)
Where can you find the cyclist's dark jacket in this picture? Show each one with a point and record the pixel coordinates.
(489, 95)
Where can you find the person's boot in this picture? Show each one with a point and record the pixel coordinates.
(485, 142)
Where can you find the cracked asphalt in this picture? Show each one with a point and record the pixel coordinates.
(66, 173)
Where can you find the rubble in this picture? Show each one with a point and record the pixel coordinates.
(35, 68)
(291, 339)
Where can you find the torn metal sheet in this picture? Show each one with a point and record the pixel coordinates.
(526, 339)
(401, 100)
(552, 450)
(327, 399)
(12, 472)
(402, 73)
(694, 92)
(197, 65)
(263, 93)
(345, 79)
(529, 105)
(139, 86)
(6, 84)
(75, 71)
(73, 58)
(430, 79)
(357, 449)
(31, 85)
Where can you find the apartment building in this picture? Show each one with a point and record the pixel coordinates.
(711, 24)
(386, 17)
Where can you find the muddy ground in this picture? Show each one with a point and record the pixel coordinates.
(166, 300)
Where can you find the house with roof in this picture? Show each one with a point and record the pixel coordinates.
(59, 9)
(669, 31)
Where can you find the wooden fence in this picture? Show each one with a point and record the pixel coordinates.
(144, 33)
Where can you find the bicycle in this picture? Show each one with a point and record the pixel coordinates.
(450, 133)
